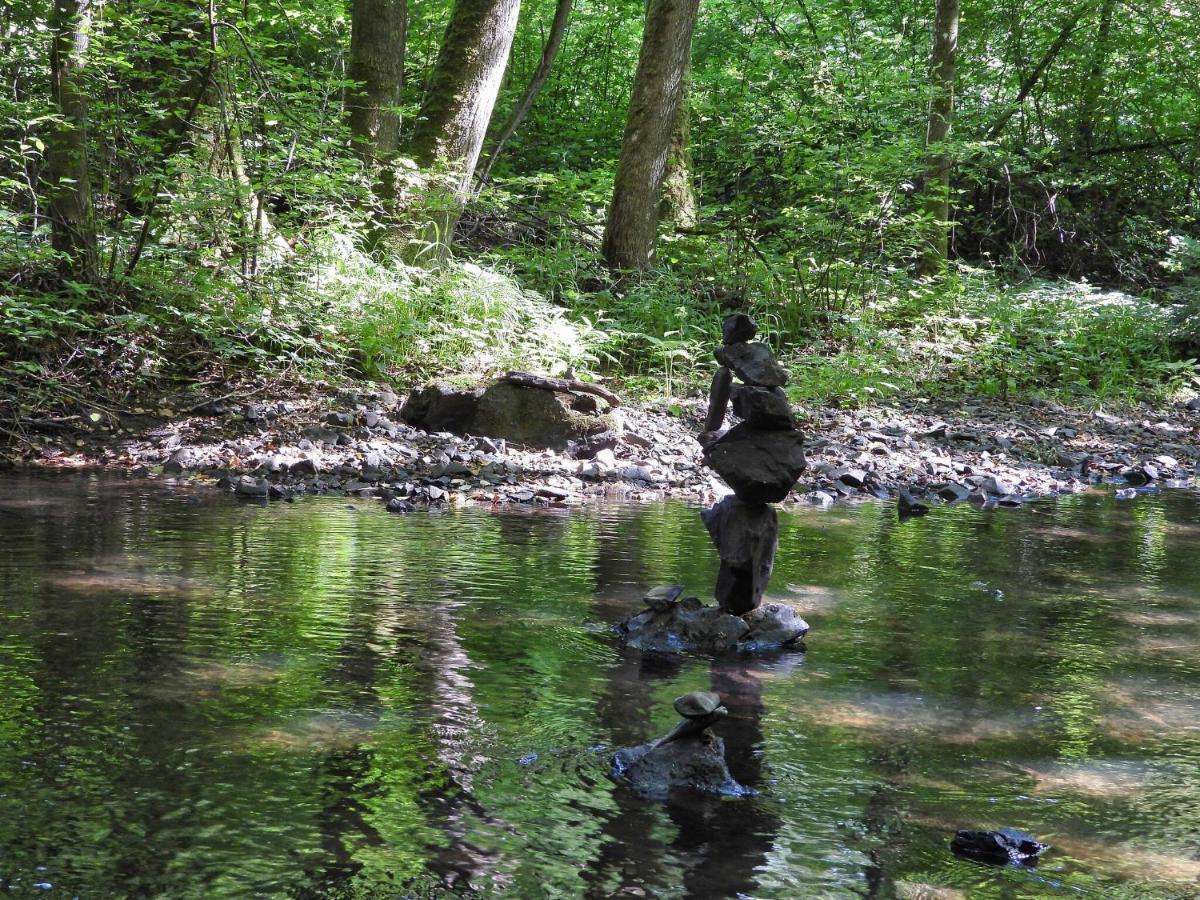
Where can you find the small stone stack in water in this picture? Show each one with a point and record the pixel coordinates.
(760, 459)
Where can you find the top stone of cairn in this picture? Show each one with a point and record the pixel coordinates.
(737, 328)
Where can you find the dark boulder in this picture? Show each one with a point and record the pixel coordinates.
(1002, 847)
(761, 466)
(737, 329)
(745, 536)
(762, 407)
(754, 363)
(909, 506)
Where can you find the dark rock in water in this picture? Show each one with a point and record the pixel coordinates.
(1003, 847)
(396, 505)
(954, 491)
(1139, 475)
(754, 363)
(441, 407)
(762, 407)
(773, 625)
(688, 626)
(761, 466)
(909, 506)
(718, 399)
(738, 328)
(691, 627)
(536, 417)
(745, 536)
(658, 770)
(252, 487)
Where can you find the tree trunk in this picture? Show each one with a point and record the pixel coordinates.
(941, 120)
(679, 207)
(658, 89)
(454, 118)
(1093, 87)
(558, 30)
(70, 191)
(378, 32)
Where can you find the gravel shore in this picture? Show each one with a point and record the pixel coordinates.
(354, 443)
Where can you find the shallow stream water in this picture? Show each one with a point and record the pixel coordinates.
(203, 698)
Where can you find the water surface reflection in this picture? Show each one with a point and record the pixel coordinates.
(203, 698)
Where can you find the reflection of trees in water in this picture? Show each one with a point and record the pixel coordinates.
(717, 844)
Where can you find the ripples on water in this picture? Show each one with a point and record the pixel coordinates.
(204, 699)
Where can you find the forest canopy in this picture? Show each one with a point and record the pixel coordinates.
(982, 196)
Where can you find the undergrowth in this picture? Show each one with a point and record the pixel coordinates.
(334, 312)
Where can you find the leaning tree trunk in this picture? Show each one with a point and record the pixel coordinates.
(941, 120)
(679, 207)
(658, 89)
(454, 118)
(558, 30)
(378, 32)
(72, 219)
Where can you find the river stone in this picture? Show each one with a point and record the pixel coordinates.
(441, 407)
(745, 536)
(762, 407)
(687, 627)
(761, 466)
(693, 764)
(773, 625)
(754, 363)
(737, 329)
(718, 399)
(1001, 847)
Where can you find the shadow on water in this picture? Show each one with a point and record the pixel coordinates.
(203, 698)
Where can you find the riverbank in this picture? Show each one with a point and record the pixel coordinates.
(327, 441)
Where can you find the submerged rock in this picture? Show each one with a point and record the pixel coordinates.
(691, 627)
(1006, 846)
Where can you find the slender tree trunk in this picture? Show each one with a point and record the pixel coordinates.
(70, 191)
(378, 33)
(1093, 87)
(558, 30)
(454, 118)
(679, 207)
(658, 89)
(1030, 81)
(941, 120)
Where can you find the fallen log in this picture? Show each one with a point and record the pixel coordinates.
(562, 385)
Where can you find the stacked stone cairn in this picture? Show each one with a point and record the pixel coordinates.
(760, 459)
(689, 757)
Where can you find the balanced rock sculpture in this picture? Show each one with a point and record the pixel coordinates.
(760, 459)
(688, 757)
